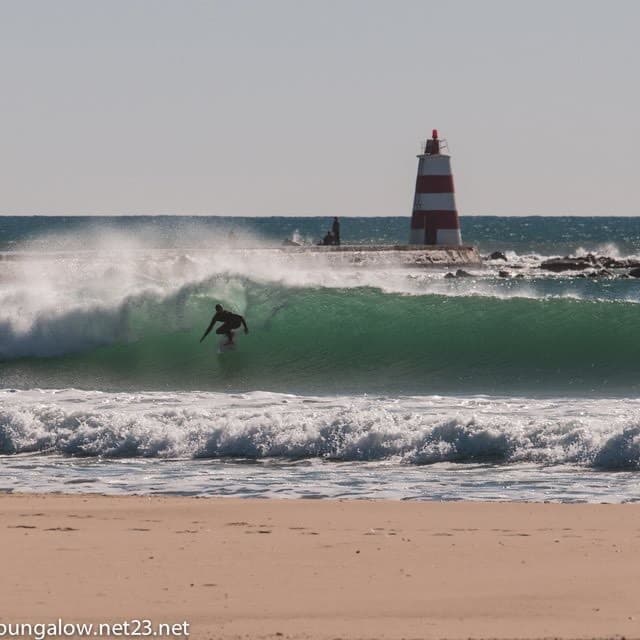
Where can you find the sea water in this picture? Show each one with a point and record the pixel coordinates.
(512, 383)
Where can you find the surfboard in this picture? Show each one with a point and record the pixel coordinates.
(223, 347)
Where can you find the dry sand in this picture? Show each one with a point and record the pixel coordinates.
(323, 569)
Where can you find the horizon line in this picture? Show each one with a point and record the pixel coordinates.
(218, 215)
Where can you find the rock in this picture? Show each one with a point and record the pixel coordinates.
(611, 263)
(460, 273)
(497, 255)
(635, 273)
(504, 274)
(565, 264)
(601, 273)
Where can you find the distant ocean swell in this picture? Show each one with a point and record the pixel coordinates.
(330, 340)
(416, 431)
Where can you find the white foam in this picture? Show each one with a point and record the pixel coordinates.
(602, 433)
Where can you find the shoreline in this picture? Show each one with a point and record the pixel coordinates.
(323, 568)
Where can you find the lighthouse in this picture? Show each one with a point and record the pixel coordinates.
(435, 218)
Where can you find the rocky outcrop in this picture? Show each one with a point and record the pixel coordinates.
(601, 273)
(460, 273)
(598, 266)
(558, 265)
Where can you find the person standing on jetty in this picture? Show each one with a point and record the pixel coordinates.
(335, 227)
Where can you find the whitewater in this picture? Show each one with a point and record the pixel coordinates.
(507, 382)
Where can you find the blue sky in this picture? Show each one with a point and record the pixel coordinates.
(284, 107)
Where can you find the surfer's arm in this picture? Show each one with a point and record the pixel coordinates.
(244, 324)
(206, 333)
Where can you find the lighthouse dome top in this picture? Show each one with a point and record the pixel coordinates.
(434, 146)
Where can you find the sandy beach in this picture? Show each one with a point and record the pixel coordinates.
(323, 569)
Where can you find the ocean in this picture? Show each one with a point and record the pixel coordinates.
(507, 382)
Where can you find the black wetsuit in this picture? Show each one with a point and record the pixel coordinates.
(230, 321)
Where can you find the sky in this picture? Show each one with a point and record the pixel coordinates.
(300, 107)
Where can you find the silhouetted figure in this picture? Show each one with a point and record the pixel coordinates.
(230, 321)
(329, 239)
(335, 227)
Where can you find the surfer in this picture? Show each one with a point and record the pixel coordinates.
(230, 321)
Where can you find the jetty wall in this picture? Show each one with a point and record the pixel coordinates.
(410, 255)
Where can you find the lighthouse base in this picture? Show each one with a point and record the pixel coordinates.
(443, 237)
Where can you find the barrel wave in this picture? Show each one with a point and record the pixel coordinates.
(312, 339)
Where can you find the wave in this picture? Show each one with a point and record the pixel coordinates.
(416, 431)
(329, 340)
(126, 317)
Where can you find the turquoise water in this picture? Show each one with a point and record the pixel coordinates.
(335, 340)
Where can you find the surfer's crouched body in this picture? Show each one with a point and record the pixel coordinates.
(230, 321)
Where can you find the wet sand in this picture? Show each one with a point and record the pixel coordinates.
(323, 569)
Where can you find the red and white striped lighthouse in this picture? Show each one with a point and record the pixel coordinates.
(435, 218)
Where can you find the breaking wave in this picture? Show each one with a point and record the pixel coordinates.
(601, 434)
(328, 340)
(122, 316)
